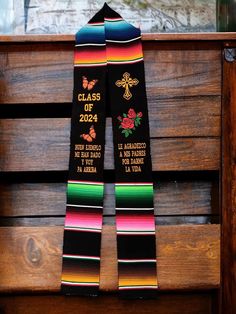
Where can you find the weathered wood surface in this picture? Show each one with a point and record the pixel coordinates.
(211, 36)
(31, 258)
(189, 116)
(165, 304)
(172, 220)
(43, 145)
(49, 199)
(179, 117)
(229, 189)
(43, 73)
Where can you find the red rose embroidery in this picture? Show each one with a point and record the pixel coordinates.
(127, 123)
(131, 113)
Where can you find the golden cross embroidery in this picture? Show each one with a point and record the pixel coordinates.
(126, 82)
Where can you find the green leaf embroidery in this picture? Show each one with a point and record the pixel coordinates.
(136, 121)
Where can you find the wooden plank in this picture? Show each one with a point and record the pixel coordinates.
(228, 259)
(43, 145)
(43, 73)
(172, 220)
(191, 116)
(181, 250)
(49, 199)
(181, 73)
(212, 36)
(31, 70)
(165, 304)
(176, 117)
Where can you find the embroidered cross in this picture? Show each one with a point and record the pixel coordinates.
(126, 82)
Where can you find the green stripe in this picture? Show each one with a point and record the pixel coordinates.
(124, 60)
(92, 63)
(139, 286)
(134, 196)
(85, 194)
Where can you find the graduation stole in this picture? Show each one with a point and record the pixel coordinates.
(109, 73)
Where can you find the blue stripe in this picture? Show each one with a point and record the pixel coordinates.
(91, 34)
(120, 30)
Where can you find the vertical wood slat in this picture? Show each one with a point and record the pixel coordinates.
(228, 244)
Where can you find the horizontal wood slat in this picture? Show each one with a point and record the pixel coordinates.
(43, 145)
(49, 199)
(171, 220)
(31, 258)
(179, 117)
(165, 304)
(43, 73)
(145, 37)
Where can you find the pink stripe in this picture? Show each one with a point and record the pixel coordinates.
(83, 220)
(142, 223)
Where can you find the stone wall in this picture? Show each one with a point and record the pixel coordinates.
(67, 16)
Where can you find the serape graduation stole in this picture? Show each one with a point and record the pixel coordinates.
(109, 73)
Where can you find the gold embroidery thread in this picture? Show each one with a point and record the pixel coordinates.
(127, 82)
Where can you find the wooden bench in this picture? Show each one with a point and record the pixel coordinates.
(190, 169)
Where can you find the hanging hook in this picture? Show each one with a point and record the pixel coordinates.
(230, 54)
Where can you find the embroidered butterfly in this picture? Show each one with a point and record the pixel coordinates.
(90, 136)
(88, 84)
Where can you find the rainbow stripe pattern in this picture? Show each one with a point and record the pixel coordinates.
(106, 43)
(113, 41)
(135, 237)
(82, 237)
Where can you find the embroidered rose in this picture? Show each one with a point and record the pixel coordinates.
(140, 115)
(129, 122)
(131, 113)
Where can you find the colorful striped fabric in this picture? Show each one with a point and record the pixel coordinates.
(113, 41)
(83, 223)
(135, 237)
(108, 63)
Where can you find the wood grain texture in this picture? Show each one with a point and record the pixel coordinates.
(181, 251)
(212, 36)
(228, 259)
(43, 73)
(188, 116)
(165, 304)
(49, 199)
(171, 220)
(43, 145)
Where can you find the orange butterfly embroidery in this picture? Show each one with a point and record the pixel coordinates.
(88, 84)
(91, 136)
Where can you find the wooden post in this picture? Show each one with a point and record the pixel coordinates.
(228, 244)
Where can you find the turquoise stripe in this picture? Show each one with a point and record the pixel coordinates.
(91, 34)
